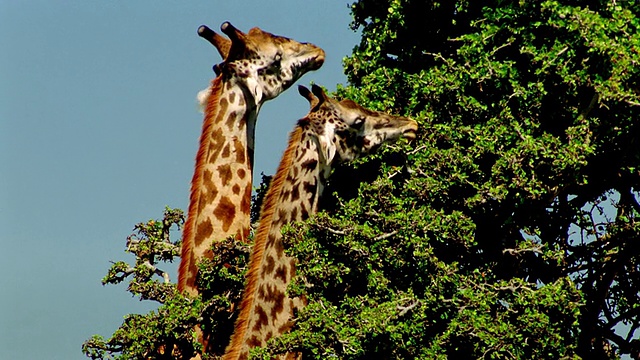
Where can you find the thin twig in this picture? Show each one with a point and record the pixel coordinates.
(536, 250)
(405, 309)
(384, 236)
(334, 231)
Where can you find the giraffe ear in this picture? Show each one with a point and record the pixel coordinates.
(327, 146)
(319, 93)
(307, 94)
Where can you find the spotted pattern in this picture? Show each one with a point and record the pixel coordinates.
(297, 187)
(221, 187)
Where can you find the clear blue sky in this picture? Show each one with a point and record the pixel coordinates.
(99, 130)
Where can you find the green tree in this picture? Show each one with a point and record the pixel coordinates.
(506, 230)
(168, 332)
(510, 231)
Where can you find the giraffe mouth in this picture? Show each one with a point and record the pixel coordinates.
(314, 58)
(410, 133)
(317, 62)
(311, 63)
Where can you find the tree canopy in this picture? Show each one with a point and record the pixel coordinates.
(507, 229)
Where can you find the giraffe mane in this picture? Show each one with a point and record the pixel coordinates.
(259, 245)
(188, 232)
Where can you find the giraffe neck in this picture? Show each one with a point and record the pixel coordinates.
(220, 200)
(266, 310)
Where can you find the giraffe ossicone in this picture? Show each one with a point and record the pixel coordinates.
(333, 131)
(221, 43)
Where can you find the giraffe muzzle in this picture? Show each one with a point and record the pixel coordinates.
(410, 132)
(318, 60)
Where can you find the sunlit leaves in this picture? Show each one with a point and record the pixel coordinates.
(527, 113)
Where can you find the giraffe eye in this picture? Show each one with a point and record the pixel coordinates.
(357, 124)
(276, 62)
(273, 67)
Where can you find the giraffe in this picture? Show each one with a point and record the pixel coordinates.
(332, 132)
(257, 67)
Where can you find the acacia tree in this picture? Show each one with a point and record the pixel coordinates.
(510, 231)
(507, 229)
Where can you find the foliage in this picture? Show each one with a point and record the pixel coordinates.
(507, 229)
(509, 232)
(169, 332)
(258, 197)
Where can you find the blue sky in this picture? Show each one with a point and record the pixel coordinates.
(99, 130)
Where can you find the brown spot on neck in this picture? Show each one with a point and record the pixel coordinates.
(203, 231)
(215, 145)
(226, 150)
(245, 204)
(309, 165)
(224, 174)
(225, 212)
(240, 151)
(231, 120)
(263, 319)
(209, 191)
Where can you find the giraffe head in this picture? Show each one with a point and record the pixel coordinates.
(347, 130)
(266, 64)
